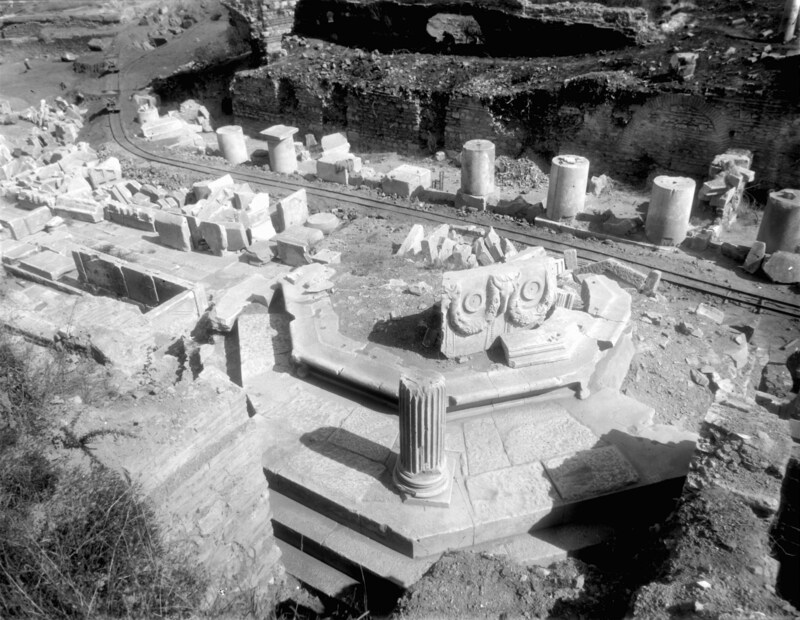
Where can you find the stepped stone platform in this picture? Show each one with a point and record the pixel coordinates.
(529, 471)
(515, 472)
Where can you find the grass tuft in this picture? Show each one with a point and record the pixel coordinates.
(75, 540)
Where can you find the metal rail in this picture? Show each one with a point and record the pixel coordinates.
(728, 293)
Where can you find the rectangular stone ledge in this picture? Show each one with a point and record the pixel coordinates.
(282, 482)
(28, 275)
(147, 286)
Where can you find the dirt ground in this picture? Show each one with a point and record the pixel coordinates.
(672, 370)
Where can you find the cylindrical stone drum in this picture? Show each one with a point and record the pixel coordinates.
(477, 168)
(231, 142)
(282, 157)
(421, 469)
(780, 226)
(670, 207)
(566, 195)
(147, 114)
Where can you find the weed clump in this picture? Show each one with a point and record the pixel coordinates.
(76, 539)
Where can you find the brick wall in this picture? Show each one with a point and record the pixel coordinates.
(384, 120)
(267, 20)
(682, 133)
(626, 135)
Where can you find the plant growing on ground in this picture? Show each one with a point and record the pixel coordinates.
(75, 540)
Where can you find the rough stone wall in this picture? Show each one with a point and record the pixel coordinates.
(390, 121)
(469, 118)
(627, 135)
(682, 133)
(266, 20)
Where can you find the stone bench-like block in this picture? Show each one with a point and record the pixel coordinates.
(23, 223)
(48, 265)
(337, 167)
(406, 181)
(173, 231)
(82, 210)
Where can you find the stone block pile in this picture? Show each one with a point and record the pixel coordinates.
(178, 129)
(457, 247)
(728, 175)
(48, 175)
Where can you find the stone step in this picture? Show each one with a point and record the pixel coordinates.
(366, 560)
(314, 573)
(348, 551)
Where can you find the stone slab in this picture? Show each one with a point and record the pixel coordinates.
(173, 231)
(607, 410)
(233, 300)
(292, 210)
(406, 181)
(589, 473)
(235, 236)
(141, 286)
(412, 244)
(256, 347)
(511, 500)
(342, 547)
(313, 572)
(485, 451)
(536, 435)
(82, 210)
(278, 133)
(49, 265)
(368, 433)
(215, 236)
(23, 223)
(13, 251)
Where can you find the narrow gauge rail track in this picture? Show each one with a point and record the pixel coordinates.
(728, 293)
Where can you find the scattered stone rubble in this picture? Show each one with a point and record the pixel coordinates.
(178, 129)
(457, 247)
(729, 174)
(49, 180)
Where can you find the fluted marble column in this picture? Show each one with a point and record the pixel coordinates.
(421, 471)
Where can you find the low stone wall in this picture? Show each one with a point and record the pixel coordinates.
(172, 299)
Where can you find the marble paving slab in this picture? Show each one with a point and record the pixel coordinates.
(590, 473)
(529, 437)
(485, 450)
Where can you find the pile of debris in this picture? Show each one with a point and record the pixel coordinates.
(466, 247)
(54, 124)
(728, 174)
(522, 172)
(457, 247)
(178, 129)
